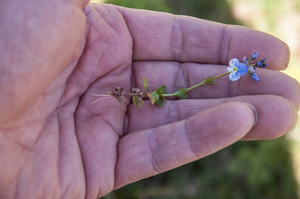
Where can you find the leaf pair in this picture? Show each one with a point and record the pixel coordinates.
(137, 99)
(209, 80)
(158, 95)
(155, 97)
(182, 93)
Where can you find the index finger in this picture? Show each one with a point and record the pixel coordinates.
(167, 37)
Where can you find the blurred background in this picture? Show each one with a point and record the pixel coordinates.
(245, 170)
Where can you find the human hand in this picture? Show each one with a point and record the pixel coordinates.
(55, 144)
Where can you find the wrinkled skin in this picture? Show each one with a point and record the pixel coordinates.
(55, 54)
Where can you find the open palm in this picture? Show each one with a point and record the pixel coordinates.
(55, 144)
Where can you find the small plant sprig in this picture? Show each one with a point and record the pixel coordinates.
(235, 71)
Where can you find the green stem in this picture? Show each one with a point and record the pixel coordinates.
(197, 85)
(202, 83)
(169, 95)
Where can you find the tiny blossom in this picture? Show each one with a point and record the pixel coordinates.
(258, 64)
(254, 77)
(254, 56)
(261, 63)
(236, 69)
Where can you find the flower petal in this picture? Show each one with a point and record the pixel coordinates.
(245, 60)
(242, 69)
(229, 69)
(234, 62)
(234, 76)
(251, 69)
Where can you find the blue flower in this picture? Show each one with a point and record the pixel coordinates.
(236, 69)
(254, 77)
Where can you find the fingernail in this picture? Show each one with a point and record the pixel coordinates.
(288, 58)
(295, 118)
(255, 113)
(298, 83)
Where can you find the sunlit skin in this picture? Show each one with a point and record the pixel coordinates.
(54, 54)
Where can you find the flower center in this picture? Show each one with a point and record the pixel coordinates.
(234, 69)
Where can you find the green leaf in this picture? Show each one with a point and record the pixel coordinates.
(145, 83)
(185, 96)
(182, 93)
(209, 77)
(155, 95)
(137, 101)
(163, 89)
(159, 91)
(159, 102)
(209, 80)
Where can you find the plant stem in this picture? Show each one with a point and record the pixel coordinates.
(197, 85)
(169, 95)
(202, 83)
